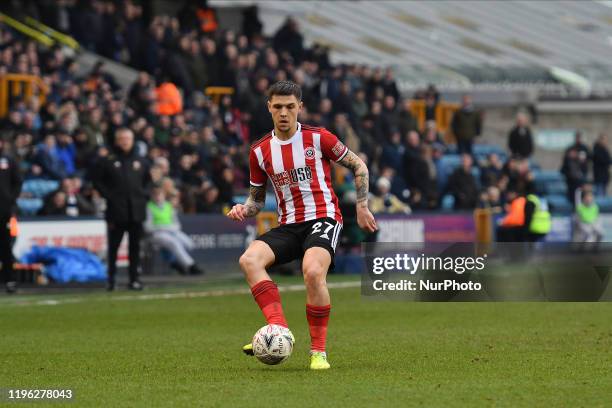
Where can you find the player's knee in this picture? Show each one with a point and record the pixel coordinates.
(249, 261)
(314, 273)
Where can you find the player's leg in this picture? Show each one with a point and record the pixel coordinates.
(277, 246)
(320, 241)
(114, 236)
(315, 265)
(135, 236)
(254, 262)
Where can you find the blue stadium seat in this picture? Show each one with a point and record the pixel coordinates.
(549, 182)
(558, 204)
(605, 204)
(485, 149)
(39, 188)
(556, 187)
(29, 206)
(445, 166)
(448, 202)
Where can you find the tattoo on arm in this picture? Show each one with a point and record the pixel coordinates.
(352, 162)
(256, 200)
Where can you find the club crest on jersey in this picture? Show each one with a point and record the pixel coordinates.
(309, 153)
(292, 177)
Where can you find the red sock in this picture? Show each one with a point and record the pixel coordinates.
(267, 297)
(317, 316)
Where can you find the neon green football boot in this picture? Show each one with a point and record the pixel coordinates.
(248, 349)
(318, 360)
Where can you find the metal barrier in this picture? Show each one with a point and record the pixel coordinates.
(216, 92)
(444, 114)
(29, 31)
(12, 85)
(266, 221)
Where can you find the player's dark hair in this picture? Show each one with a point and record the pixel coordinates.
(285, 88)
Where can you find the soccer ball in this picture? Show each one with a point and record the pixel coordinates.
(273, 344)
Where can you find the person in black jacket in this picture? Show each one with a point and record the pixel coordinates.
(462, 185)
(10, 187)
(123, 179)
(601, 165)
(520, 140)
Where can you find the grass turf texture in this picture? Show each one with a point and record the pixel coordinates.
(114, 351)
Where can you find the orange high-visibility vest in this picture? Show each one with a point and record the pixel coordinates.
(13, 227)
(516, 215)
(169, 99)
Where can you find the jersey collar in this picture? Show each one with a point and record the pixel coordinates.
(284, 142)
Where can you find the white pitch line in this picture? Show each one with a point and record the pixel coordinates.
(175, 295)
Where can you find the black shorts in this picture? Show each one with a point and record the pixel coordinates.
(290, 241)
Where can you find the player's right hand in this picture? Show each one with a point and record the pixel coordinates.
(237, 213)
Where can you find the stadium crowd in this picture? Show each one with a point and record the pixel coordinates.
(198, 147)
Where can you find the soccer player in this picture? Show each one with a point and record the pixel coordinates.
(297, 159)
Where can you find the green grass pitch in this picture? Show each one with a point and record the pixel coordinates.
(126, 350)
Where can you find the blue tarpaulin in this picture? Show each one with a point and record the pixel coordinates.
(67, 264)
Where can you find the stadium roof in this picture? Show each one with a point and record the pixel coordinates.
(460, 42)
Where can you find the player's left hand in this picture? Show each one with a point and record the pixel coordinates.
(366, 220)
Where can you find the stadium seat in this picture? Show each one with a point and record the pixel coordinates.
(445, 166)
(558, 204)
(447, 203)
(29, 206)
(556, 187)
(38, 188)
(549, 182)
(605, 204)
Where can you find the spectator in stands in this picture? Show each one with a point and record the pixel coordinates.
(432, 137)
(66, 152)
(587, 223)
(520, 141)
(47, 162)
(345, 132)
(601, 165)
(579, 146)
(123, 180)
(424, 180)
(384, 202)
(492, 171)
(142, 94)
(491, 198)
(518, 176)
(251, 24)
(359, 106)
(67, 200)
(574, 169)
(288, 40)
(164, 229)
(466, 125)
(10, 187)
(393, 152)
(462, 185)
(405, 120)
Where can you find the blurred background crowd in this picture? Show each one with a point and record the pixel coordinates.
(197, 145)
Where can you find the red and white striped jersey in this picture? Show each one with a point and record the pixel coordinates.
(299, 169)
